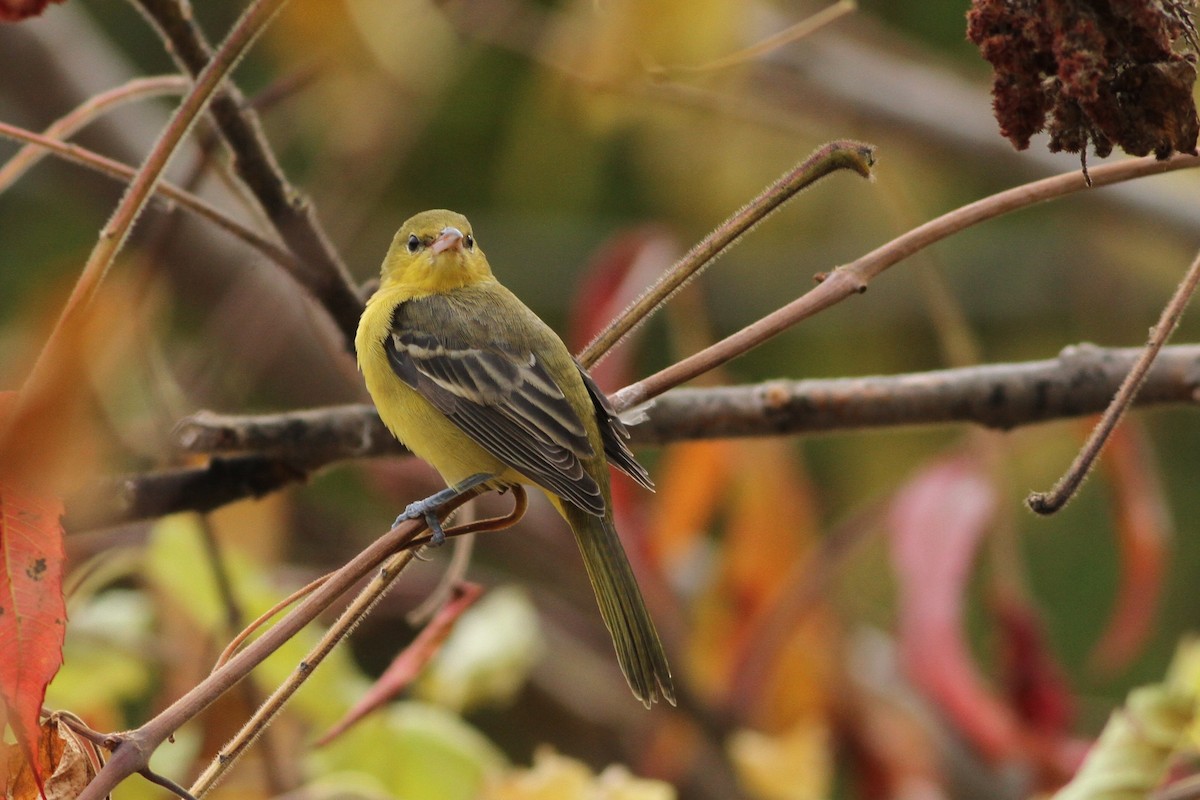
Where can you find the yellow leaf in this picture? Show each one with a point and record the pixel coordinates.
(793, 766)
(557, 777)
(488, 655)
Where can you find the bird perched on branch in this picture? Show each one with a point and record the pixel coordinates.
(472, 381)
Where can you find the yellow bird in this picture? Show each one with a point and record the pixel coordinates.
(472, 381)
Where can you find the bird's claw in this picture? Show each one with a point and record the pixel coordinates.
(423, 509)
(427, 509)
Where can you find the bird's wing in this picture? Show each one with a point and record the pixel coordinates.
(614, 433)
(504, 398)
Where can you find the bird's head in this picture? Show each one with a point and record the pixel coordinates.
(435, 251)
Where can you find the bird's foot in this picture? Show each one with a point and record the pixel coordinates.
(428, 508)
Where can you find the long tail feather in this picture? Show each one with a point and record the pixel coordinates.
(639, 651)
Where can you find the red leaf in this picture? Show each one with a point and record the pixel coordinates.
(16, 10)
(1038, 691)
(1035, 681)
(937, 522)
(614, 277)
(1144, 533)
(617, 273)
(408, 665)
(32, 610)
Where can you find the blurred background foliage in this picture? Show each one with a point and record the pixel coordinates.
(556, 126)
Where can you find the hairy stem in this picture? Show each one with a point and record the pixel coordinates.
(371, 594)
(826, 160)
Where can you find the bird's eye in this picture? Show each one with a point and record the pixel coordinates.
(469, 242)
(414, 244)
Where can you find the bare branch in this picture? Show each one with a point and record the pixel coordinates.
(254, 727)
(148, 495)
(318, 435)
(1080, 381)
(117, 229)
(273, 450)
(40, 143)
(851, 279)
(322, 271)
(132, 750)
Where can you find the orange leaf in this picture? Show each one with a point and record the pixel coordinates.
(67, 762)
(691, 480)
(1144, 532)
(760, 493)
(937, 522)
(32, 610)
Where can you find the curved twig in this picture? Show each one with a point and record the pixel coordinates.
(842, 154)
(88, 111)
(262, 619)
(1049, 502)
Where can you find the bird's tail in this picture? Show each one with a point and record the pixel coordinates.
(639, 651)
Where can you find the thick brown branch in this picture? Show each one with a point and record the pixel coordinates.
(313, 435)
(320, 269)
(1080, 381)
(277, 449)
(147, 495)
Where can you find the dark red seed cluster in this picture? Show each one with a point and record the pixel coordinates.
(1110, 72)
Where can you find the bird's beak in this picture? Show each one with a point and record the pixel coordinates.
(450, 239)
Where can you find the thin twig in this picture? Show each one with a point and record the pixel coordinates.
(409, 662)
(165, 782)
(220, 572)
(851, 279)
(1080, 381)
(790, 34)
(263, 618)
(826, 160)
(93, 108)
(132, 750)
(346, 622)
(234, 618)
(321, 270)
(123, 172)
(1069, 483)
(520, 506)
(137, 194)
(453, 576)
(362, 604)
